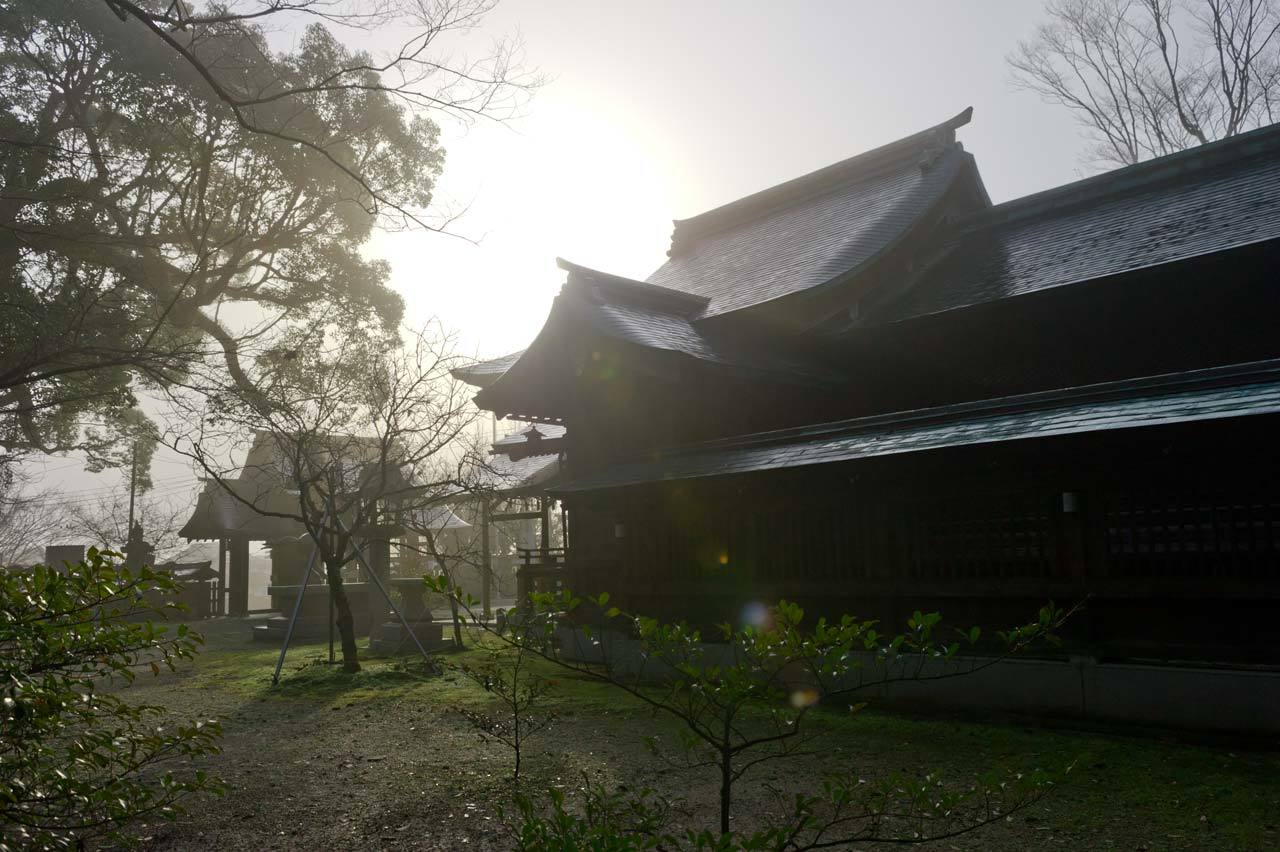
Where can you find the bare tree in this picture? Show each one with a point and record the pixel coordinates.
(105, 522)
(1150, 77)
(363, 434)
(27, 519)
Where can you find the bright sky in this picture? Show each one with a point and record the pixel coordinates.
(666, 109)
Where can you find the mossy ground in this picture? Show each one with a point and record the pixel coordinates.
(385, 758)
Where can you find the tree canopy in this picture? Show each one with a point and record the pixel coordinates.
(156, 172)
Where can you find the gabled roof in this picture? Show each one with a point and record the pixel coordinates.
(815, 229)
(1203, 200)
(1237, 391)
(229, 509)
(597, 305)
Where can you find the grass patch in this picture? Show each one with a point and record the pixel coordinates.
(307, 676)
(1122, 793)
(1174, 792)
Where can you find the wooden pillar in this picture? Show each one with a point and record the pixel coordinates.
(239, 580)
(221, 608)
(486, 559)
(378, 556)
(522, 581)
(544, 544)
(1074, 564)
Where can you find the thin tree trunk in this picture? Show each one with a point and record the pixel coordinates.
(346, 621)
(515, 776)
(453, 598)
(457, 618)
(726, 788)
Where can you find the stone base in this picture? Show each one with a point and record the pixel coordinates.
(306, 630)
(395, 640)
(313, 617)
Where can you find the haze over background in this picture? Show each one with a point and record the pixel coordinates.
(663, 110)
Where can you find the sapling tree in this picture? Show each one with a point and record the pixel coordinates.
(507, 671)
(746, 698)
(77, 760)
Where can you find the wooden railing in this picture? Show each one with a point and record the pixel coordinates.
(541, 570)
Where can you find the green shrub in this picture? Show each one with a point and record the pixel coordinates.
(76, 760)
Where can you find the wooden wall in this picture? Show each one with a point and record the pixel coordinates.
(1173, 544)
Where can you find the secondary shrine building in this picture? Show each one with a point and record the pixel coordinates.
(871, 390)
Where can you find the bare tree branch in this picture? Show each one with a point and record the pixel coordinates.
(1121, 67)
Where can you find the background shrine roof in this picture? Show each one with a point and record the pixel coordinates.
(1204, 200)
(526, 475)
(816, 228)
(534, 439)
(482, 373)
(183, 571)
(226, 509)
(1235, 391)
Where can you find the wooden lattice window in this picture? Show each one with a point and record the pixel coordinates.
(1218, 533)
(988, 536)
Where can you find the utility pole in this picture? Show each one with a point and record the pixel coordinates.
(133, 480)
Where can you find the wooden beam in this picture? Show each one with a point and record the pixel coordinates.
(517, 516)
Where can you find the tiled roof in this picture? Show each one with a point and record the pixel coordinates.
(222, 514)
(815, 229)
(645, 316)
(481, 373)
(1162, 400)
(1207, 199)
(434, 519)
(638, 313)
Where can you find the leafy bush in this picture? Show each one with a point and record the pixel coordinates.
(76, 760)
(899, 809)
(743, 698)
(611, 821)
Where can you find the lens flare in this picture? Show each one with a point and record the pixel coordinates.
(804, 697)
(756, 614)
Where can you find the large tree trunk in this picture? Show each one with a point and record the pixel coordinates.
(345, 620)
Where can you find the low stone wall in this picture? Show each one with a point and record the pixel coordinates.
(1219, 700)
